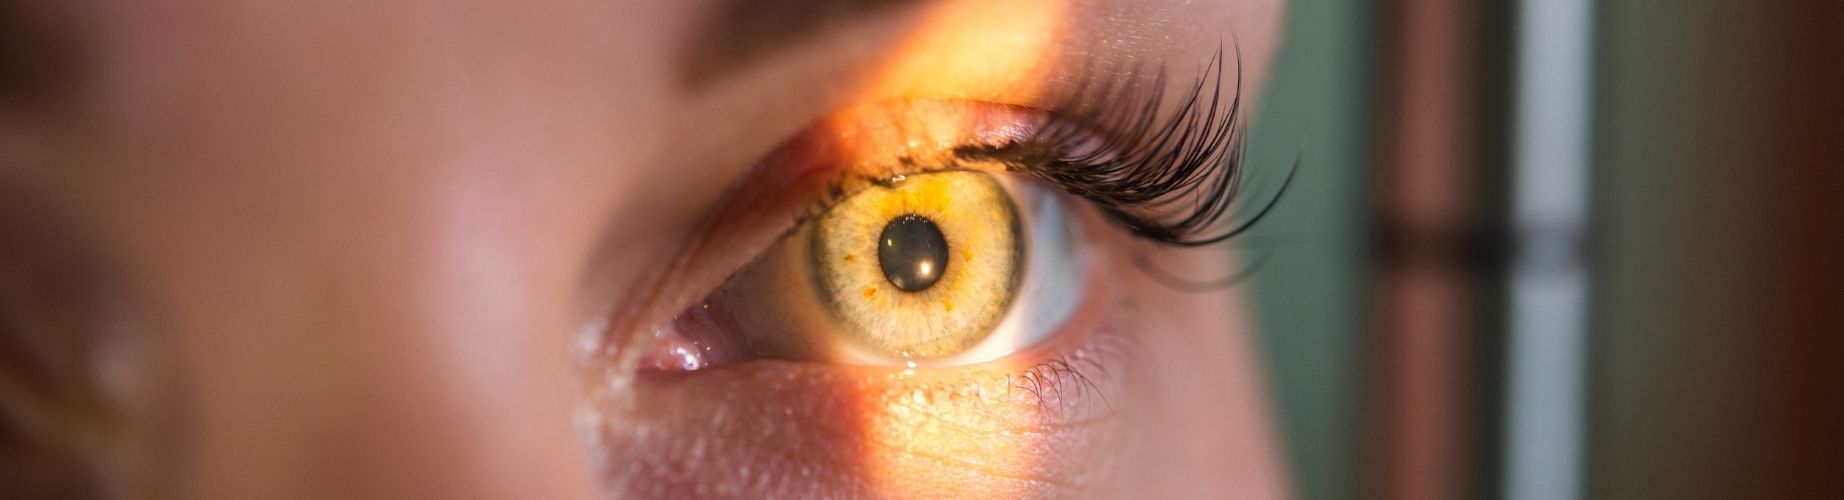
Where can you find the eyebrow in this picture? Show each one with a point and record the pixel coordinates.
(737, 33)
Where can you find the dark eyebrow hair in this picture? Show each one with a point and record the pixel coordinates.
(736, 33)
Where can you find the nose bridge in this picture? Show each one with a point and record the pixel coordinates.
(313, 220)
(367, 351)
(461, 378)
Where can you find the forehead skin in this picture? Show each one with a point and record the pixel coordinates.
(363, 232)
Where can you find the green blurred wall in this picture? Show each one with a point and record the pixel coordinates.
(1310, 288)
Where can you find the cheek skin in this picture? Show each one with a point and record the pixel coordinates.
(354, 232)
(791, 430)
(1204, 420)
(1015, 431)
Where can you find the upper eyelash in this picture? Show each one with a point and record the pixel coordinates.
(1190, 163)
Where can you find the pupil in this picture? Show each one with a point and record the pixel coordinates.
(913, 252)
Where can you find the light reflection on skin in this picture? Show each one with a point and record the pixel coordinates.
(1008, 429)
(974, 50)
(930, 439)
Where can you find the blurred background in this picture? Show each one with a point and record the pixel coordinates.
(1557, 249)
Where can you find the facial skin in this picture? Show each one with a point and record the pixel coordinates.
(389, 249)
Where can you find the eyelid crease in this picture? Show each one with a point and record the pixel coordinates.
(877, 143)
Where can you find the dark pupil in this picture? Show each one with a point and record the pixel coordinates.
(913, 253)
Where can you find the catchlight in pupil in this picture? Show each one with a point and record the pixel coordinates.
(914, 254)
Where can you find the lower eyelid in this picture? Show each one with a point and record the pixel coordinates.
(1002, 427)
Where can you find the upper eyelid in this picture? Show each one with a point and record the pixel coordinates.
(1112, 142)
(859, 172)
(1118, 109)
(994, 125)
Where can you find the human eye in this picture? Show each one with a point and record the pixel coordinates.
(927, 253)
(953, 265)
(938, 308)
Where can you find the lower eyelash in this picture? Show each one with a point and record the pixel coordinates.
(1064, 380)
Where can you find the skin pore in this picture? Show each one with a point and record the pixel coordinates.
(387, 249)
